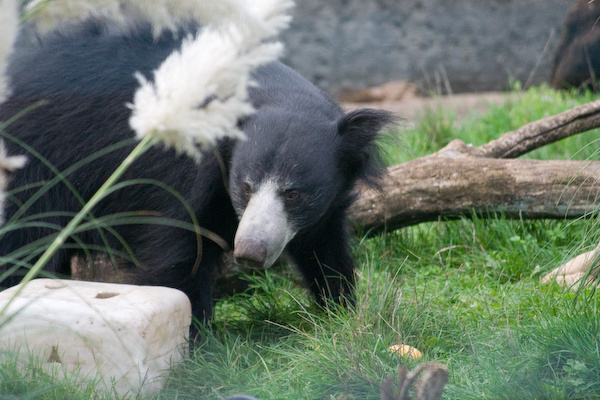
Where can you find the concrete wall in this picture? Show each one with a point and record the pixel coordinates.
(466, 45)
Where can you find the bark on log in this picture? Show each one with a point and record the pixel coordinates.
(452, 183)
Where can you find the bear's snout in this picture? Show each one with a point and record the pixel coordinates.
(251, 253)
(264, 229)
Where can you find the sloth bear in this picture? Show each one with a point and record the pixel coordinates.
(286, 188)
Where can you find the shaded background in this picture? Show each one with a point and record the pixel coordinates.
(441, 45)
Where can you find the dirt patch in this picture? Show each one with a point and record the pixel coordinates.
(461, 105)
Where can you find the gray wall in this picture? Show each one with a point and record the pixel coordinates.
(468, 45)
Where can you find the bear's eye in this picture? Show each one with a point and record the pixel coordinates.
(246, 191)
(291, 195)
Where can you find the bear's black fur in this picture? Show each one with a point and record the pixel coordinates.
(68, 108)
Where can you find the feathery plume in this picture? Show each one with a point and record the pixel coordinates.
(267, 16)
(201, 91)
(9, 28)
(47, 15)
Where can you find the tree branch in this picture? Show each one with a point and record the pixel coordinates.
(542, 132)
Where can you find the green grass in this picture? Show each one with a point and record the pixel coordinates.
(467, 293)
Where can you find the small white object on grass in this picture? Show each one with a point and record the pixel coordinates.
(111, 333)
(575, 271)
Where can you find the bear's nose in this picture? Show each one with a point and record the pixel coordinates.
(250, 253)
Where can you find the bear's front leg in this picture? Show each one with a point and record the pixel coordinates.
(324, 258)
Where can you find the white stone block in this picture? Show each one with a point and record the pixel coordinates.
(123, 334)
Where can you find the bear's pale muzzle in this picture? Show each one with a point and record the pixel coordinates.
(264, 229)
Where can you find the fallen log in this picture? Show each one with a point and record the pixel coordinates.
(447, 186)
(461, 180)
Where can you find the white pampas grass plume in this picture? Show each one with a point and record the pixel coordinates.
(9, 28)
(266, 16)
(200, 92)
(50, 14)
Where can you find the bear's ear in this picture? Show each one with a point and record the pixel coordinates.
(360, 156)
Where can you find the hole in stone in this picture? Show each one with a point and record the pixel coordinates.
(54, 357)
(55, 285)
(106, 295)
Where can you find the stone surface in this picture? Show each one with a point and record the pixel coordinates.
(124, 333)
(462, 45)
(576, 271)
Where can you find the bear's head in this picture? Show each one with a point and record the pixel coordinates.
(296, 169)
